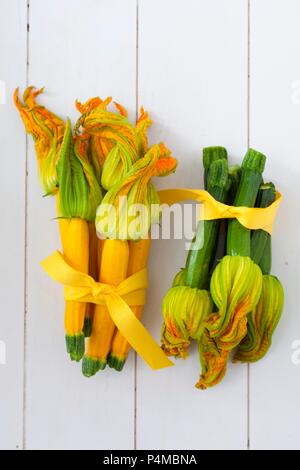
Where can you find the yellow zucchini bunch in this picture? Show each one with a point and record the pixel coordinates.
(103, 154)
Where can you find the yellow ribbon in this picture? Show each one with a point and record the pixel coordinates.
(251, 217)
(81, 287)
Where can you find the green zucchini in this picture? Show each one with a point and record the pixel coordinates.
(234, 179)
(204, 243)
(260, 239)
(238, 236)
(233, 183)
(265, 262)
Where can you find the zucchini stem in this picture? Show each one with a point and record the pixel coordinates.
(211, 154)
(204, 242)
(238, 236)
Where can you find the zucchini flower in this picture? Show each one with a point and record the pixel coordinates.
(79, 190)
(213, 361)
(115, 141)
(235, 289)
(141, 131)
(179, 279)
(262, 322)
(184, 311)
(134, 194)
(98, 148)
(47, 131)
(101, 143)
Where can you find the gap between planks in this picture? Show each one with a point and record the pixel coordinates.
(248, 145)
(136, 118)
(26, 243)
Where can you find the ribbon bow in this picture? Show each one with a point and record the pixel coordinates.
(81, 287)
(250, 217)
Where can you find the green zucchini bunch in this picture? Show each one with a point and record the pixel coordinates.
(224, 297)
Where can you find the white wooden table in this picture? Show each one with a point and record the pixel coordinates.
(210, 72)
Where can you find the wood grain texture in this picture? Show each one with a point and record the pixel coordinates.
(274, 129)
(193, 81)
(12, 208)
(78, 50)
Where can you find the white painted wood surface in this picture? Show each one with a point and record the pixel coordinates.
(274, 127)
(12, 208)
(187, 63)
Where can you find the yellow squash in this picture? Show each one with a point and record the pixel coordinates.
(113, 270)
(93, 271)
(75, 242)
(138, 257)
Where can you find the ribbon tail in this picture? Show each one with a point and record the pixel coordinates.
(136, 334)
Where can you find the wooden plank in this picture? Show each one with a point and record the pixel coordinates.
(12, 193)
(193, 81)
(77, 50)
(274, 129)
